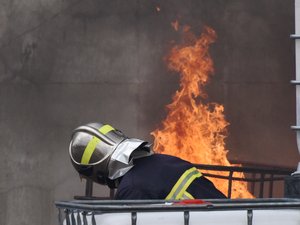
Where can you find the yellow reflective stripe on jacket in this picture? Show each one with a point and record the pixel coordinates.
(183, 183)
(187, 195)
(90, 148)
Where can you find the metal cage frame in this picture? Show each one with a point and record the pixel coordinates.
(76, 212)
(260, 176)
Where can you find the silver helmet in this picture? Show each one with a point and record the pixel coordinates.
(103, 153)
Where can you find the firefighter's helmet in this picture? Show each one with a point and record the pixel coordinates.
(103, 153)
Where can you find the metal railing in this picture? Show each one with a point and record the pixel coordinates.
(85, 212)
(254, 176)
(261, 180)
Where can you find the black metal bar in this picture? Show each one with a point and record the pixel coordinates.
(244, 169)
(295, 36)
(84, 218)
(111, 193)
(295, 127)
(60, 220)
(61, 204)
(229, 184)
(78, 218)
(271, 186)
(211, 205)
(243, 178)
(73, 218)
(186, 216)
(89, 188)
(253, 183)
(67, 217)
(93, 219)
(249, 216)
(261, 186)
(296, 82)
(91, 198)
(133, 218)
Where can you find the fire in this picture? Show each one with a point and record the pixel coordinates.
(194, 130)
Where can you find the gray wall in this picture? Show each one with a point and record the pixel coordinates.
(66, 63)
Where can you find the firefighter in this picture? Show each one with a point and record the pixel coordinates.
(105, 155)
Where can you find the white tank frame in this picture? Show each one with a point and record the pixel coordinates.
(296, 82)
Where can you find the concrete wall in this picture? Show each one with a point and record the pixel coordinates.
(64, 63)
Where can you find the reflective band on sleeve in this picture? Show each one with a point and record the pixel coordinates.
(183, 183)
(90, 148)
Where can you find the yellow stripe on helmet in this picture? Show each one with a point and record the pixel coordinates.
(90, 148)
(106, 128)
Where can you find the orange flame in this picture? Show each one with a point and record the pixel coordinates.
(192, 130)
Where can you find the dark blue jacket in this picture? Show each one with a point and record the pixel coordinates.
(153, 177)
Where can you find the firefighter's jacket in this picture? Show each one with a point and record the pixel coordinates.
(165, 177)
